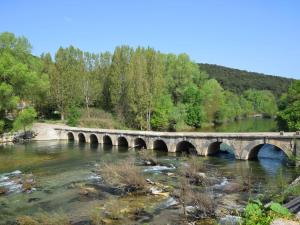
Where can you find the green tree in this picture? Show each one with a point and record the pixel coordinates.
(162, 113)
(289, 108)
(73, 116)
(91, 82)
(194, 114)
(181, 72)
(66, 78)
(21, 77)
(213, 98)
(25, 119)
(263, 101)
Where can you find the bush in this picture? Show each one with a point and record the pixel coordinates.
(125, 175)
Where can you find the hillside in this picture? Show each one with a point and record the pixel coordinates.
(239, 80)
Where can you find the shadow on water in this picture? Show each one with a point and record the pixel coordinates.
(94, 146)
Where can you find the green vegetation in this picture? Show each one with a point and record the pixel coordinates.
(289, 106)
(256, 213)
(238, 81)
(140, 88)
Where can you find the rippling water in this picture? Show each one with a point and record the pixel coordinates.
(59, 166)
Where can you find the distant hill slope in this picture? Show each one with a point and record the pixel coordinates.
(238, 81)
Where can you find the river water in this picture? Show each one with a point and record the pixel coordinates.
(61, 169)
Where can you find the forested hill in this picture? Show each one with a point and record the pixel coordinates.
(238, 81)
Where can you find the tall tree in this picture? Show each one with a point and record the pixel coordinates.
(66, 78)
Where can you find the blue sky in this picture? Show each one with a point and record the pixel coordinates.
(255, 35)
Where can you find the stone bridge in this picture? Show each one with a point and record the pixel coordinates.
(245, 145)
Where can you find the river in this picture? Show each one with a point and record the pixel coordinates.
(62, 169)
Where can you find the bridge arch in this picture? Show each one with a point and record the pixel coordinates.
(140, 143)
(93, 139)
(71, 136)
(81, 137)
(253, 153)
(213, 148)
(107, 140)
(219, 146)
(122, 141)
(186, 146)
(160, 145)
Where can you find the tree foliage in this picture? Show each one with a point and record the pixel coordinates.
(25, 119)
(289, 108)
(238, 81)
(144, 88)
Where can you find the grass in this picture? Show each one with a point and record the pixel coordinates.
(124, 174)
(99, 119)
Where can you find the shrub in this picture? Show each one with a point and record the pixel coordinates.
(124, 174)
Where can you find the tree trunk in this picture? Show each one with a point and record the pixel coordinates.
(62, 116)
(87, 106)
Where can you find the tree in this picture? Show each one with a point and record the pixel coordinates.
(21, 78)
(73, 116)
(181, 72)
(263, 101)
(161, 113)
(194, 114)
(289, 108)
(25, 119)
(90, 81)
(213, 98)
(66, 78)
